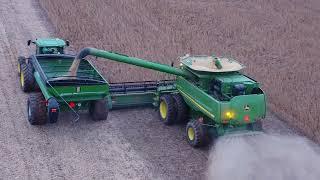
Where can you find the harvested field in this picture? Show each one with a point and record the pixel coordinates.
(278, 41)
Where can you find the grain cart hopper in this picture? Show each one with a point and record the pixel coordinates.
(209, 93)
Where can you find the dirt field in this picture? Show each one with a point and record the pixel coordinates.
(278, 41)
(131, 144)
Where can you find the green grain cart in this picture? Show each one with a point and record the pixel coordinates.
(209, 93)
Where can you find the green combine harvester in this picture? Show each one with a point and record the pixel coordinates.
(209, 93)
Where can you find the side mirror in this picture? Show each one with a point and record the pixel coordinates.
(67, 43)
(29, 42)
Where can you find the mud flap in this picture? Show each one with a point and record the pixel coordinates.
(53, 110)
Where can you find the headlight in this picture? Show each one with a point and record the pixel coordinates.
(229, 115)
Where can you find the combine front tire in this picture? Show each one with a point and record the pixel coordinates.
(27, 80)
(167, 110)
(196, 134)
(181, 108)
(37, 110)
(98, 110)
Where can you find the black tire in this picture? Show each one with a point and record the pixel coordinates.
(196, 134)
(27, 80)
(167, 111)
(21, 60)
(181, 108)
(37, 110)
(256, 126)
(98, 110)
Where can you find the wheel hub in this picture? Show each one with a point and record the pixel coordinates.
(163, 110)
(29, 111)
(22, 79)
(191, 133)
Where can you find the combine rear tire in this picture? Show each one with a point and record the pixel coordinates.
(37, 110)
(21, 60)
(196, 134)
(181, 108)
(27, 81)
(167, 111)
(98, 110)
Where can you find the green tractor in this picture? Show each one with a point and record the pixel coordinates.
(44, 46)
(209, 93)
(40, 74)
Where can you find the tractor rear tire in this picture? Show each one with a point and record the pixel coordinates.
(197, 135)
(37, 109)
(98, 110)
(27, 80)
(181, 108)
(167, 111)
(21, 60)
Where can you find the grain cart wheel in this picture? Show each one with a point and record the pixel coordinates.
(255, 126)
(167, 110)
(21, 60)
(98, 110)
(181, 108)
(37, 110)
(27, 80)
(196, 134)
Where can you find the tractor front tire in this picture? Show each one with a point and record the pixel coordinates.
(167, 111)
(98, 110)
(196, 134)
(181, 108)
(37, 110)
(27, 80)
(21, 60)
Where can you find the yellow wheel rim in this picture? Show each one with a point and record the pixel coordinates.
(22, 80)
(191, 134)
(163, 110)
(19, 68)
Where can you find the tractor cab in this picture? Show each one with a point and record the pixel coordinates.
(49, 46)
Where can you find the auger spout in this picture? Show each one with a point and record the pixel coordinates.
(124, 59)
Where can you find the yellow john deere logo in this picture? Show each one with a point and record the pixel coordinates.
(246, 107)
(78, 89)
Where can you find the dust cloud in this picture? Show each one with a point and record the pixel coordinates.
(264, 157)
